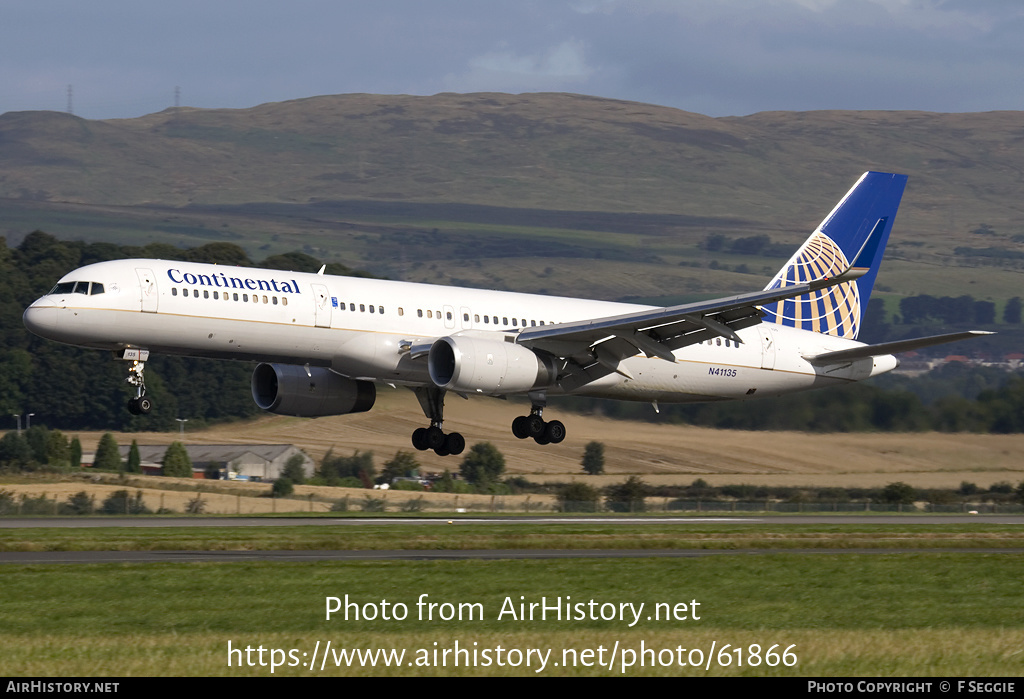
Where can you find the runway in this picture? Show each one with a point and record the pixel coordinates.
(162, 522)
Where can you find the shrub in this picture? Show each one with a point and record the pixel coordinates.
(81, 503)
(593, 458)
(371, 504)
(578, 497)
(121, 502)
(282, 488)
(628, 496)
(107, 457)
(483, 464)
(415, 505)
(176, 461)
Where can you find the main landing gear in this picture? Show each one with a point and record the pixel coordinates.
(433, 437)
(534, 426)
(141, 404)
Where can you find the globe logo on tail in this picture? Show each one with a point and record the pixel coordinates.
(832, 311)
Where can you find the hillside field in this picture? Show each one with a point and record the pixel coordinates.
(660, 453)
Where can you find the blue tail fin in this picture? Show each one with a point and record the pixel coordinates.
(838, 310)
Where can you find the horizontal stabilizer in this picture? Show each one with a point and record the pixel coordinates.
(884, 348)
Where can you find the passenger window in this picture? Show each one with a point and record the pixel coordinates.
(265, 300)
(273, 299)
(449, 315)
(245, 298)
(206, 294)
(284, 301)
(430, 314)
(533, 323)
(371, 308)
(476, 317)
(216, 296)
(401, 311)
(174, 291)
(487, 319)
(718, 341)
(362, 308)
(419, 312)
(465, 317)
(380, 310)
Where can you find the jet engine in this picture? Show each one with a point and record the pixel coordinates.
(287, 389)
(483, 365)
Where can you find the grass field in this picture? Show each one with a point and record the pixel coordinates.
(461, 535)
(912, 614)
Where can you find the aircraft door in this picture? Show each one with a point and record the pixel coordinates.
(149, 300)
(449, 317)
(322, 299)
(767, 346)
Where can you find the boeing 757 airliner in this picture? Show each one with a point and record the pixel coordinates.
(324, 342)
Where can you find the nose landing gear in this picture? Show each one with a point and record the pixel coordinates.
(141, 404)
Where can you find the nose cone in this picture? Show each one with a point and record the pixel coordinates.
(41, 320)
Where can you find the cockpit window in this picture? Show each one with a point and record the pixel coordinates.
(78, 288)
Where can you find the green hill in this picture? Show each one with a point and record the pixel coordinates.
(553, 192)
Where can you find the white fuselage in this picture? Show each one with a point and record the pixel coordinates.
(369, 329)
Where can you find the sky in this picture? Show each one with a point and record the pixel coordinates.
(716, 57)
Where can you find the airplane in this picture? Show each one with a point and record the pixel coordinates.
(324, 342)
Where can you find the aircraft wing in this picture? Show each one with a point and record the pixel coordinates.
(883, 348)
(594, 348)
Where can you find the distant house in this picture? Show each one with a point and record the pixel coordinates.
(255, 462)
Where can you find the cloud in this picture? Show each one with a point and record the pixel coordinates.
(561, 67)
(719, 57)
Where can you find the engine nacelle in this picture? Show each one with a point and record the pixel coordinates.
(287, 389)
(483, 365)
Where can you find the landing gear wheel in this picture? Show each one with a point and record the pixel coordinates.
(435, 437)
(554, 432)
(534, 426)
(140, 406)
(455, 443)
(419, 439)
(520, 427)
(432, 401)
